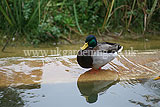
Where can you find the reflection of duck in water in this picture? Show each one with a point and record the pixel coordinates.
(92, 83)
(95, 55)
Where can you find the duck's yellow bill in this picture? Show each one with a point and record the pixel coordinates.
(84, 46)
(157, 78)
(86, 98)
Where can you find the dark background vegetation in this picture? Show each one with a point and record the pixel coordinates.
(39, 21)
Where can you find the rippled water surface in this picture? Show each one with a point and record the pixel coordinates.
(127, 81)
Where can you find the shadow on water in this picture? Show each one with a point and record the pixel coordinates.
(93, 83)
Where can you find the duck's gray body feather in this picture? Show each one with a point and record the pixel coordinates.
(102, 54)
(105, 53)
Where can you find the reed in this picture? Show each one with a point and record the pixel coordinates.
(63, 17)
(108, 14)
(14, 14)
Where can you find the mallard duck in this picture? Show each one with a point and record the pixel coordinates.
(95, 55)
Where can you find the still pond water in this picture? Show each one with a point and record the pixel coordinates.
(127, 81)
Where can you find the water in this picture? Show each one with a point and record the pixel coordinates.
(127, 81)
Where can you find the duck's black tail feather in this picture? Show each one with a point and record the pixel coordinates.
(120, 48)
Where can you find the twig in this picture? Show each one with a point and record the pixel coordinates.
(66, 39)
(99, 32)
(49, 34)
(130, 18)
(7, 42)
(4, 47)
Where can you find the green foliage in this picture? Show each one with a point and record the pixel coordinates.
(44, 20)
(20, 16)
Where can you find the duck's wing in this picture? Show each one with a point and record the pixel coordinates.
(104, 53)
(107, 47)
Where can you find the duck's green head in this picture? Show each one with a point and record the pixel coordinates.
(90, 41)
(91, 98)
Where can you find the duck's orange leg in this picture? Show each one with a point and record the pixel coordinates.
(99, 68)
(93, 70)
